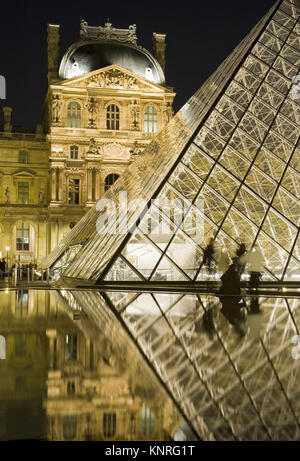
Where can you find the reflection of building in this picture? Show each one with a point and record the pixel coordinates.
(64, 379)
(104, 104)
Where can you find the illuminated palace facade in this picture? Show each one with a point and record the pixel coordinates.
(106, 100)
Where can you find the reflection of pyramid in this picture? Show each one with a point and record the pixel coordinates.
(235, 145)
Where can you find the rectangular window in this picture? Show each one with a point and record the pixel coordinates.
(74, 189)
(23, 156)
(71, 347)
(109, 424)
(22, 237)
(23, 193)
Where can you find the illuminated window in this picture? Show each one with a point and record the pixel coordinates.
(109, 424)
(21, 303)
(74, 152)
(20, 344)
(150, 119)
(69, 427)
(74, 190)
(74, 115)
(2, 348)
(71, 347)
(23, 156)
(148, 421)
(23, 193)
(22, 237)
(109, 180)
(112, 117)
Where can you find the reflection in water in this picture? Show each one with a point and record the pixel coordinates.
(65, 376)
(83, 365)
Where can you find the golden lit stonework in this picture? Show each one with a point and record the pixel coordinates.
(97, 118)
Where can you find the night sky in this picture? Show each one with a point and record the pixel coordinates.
(200, 34)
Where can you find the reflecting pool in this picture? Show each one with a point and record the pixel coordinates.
(85, 365)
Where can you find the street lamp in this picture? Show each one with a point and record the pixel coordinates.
(7, 250)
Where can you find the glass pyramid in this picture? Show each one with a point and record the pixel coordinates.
(228, 162)
(224, 388)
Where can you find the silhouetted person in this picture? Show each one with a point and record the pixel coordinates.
(208, 323)
(255, 262)
(254, 306)
(2, 268)
(209, 255)
(240, 258)
(231, 306)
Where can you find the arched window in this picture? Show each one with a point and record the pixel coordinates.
(74, 152)
(109, 424)
(2, 348)
(150, 119)
(112, 117)
(74, 115)
(148, 421)
(109, 180)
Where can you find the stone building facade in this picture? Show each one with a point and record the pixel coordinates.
(105, 101)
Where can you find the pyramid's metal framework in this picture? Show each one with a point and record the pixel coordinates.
(226, 388)
(235, 145)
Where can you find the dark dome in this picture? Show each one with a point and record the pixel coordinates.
(82, 58)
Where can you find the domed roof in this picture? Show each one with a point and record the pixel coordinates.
(103, 46)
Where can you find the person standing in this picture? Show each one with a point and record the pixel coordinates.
(240, 258)
(230, 297)
(208, 257)
(255, 262)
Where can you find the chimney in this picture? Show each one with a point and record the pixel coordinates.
(53, 51)
(7, 118)
(159, 47)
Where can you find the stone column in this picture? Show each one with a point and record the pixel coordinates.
(87, 353)
(60, 184)
(159, 47)
(53, 184)
(7, 118)
(53, 51)
(97, 184)
(89, 183)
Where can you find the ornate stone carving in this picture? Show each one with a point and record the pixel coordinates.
(168, 112)
(92, 107)
(114, 150)
(7, 196)
(93, 148)
(108, 33)
(136, 150)
(41, 197)
(56, 110)
(113, 79)
(135, 115)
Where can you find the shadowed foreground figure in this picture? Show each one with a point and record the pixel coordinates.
(231, 305)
